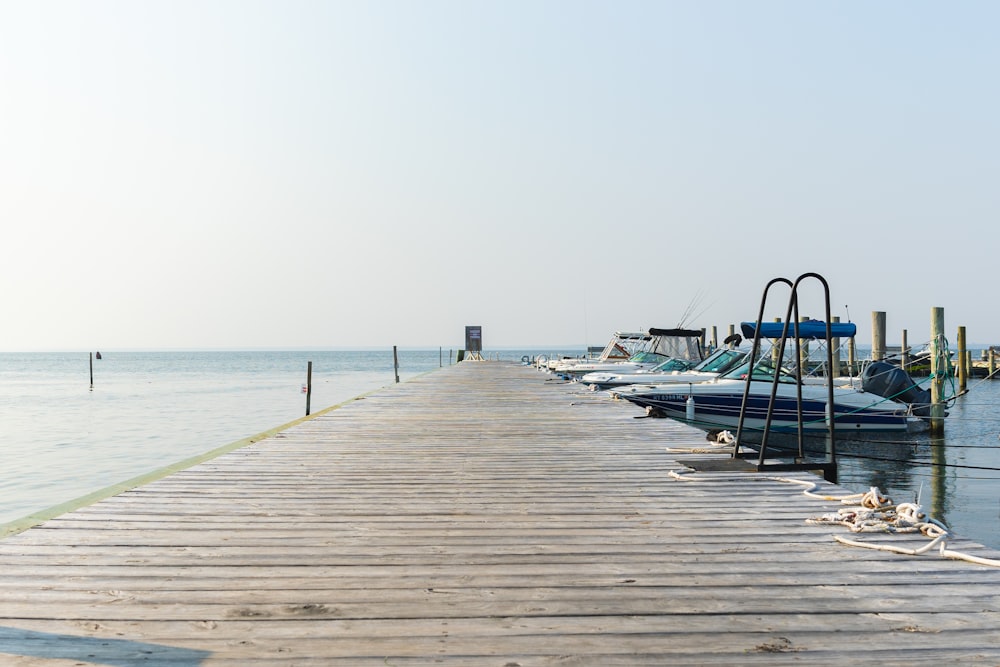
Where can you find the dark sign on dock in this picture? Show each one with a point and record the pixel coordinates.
(474, 339)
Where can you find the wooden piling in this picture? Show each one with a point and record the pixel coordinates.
(803, 346)
(963, 361)
(878, 335)
(852, 356)
(938, 369)
(309, 386)
(835, 366)
(904, 353)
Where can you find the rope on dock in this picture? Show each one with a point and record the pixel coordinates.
(903, 518)
(872, 512)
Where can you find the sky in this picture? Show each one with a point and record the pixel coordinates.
(231, 174)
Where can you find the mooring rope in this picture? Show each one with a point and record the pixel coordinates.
(869, 512)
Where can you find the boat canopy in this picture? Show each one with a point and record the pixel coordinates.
(624, 344)
(678, 343)
(814, 329)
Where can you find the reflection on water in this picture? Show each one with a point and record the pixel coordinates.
(955, 477)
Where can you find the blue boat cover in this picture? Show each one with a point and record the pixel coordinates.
(808, 329)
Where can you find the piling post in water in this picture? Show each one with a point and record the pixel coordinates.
(309, 386)
(715, 338)
(91, 371)
(992, 357)
(732, 332)
(904, 353)
(776, 348)
(440, 356)
(878, 335)
(835, 343)
(852, 356)
(802, 345)
(395, 362)
(938, 369)
(963, 361)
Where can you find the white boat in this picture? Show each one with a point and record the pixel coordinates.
(672, 371)
(716, 405)
(623, 344)
(684, 344)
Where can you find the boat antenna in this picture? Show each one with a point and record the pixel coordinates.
(693, 304)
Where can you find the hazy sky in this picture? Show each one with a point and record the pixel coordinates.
(374, 173)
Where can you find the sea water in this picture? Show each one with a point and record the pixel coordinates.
(60, 439)
(954, 477)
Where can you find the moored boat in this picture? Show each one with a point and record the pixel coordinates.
(672, 371)
(716, 405)
(684, 344)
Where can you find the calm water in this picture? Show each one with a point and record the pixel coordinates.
(956, 477)
(60, 440)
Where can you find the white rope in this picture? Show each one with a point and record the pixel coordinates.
(868, 512)
(810, 492)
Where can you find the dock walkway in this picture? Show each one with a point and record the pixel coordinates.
(483, 514)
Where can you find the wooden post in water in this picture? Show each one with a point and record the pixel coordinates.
(395, 362)
(938, 369)
(440, 356)
(992, 356)
(904, 353)
(835, 342)
(715, 338)
(963, 361)
(91, 371)
(774, 348)
(852, 356)
(732, 331)
(802, 344)
(878, 335)
(309, 386)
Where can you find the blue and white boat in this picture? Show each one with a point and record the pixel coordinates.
(774, 398)
(715, 405)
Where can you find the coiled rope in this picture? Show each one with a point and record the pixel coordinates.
(869, 512)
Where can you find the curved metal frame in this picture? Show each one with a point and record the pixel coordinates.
(791, 312)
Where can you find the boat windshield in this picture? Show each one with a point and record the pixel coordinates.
(671, 365)
(764, 370)
(721, 361)
(648, 358)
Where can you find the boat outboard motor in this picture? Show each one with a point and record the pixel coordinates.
(892, 382)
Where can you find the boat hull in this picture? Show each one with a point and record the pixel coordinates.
(712, 411)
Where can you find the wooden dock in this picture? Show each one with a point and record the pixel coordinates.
(483, 514)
